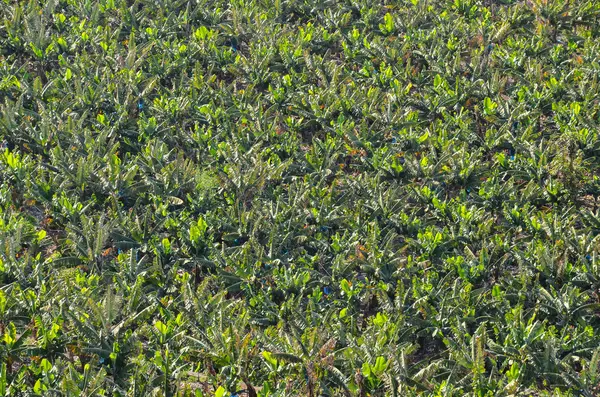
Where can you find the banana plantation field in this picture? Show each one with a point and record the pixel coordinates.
(317, 198)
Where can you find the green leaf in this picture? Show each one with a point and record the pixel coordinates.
(380, 366)
(343, 313)
(158, 359)
(45, 365)
(270, 358)
(220, 392)
(36, 51)
(161, 327)
(496, 291)
(201, 33)
(514, 372)
(366, 370)
(388, 24)
(489, 106)
(346, 287)
(39, 387)
(380, 319)
(166, 244)
(198, 230)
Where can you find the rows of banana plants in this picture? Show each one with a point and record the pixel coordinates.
(299, 198)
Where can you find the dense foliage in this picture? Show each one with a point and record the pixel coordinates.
(299, 197)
